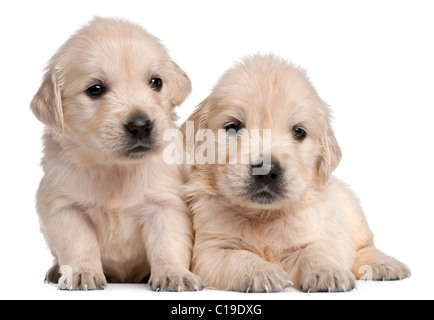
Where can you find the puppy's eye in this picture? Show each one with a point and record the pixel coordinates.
(156, 84)
(299, 133)
(234, 127)
(96, 91)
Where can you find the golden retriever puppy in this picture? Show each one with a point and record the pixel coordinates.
(110, 208)
(291, 222)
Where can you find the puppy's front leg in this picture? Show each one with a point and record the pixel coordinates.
(73, 242)
(169, 240)
(239, 270)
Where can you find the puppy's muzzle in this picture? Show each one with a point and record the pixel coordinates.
(272, 177)
(265, 188)
(140, 136)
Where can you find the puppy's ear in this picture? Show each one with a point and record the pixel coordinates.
(331, 154)
(47, 103)
(198, 120)
(179, 85)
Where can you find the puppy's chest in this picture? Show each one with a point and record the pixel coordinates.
(272, 241)
(121, 214)
(120, 229)
(117, 231)
(117, 208)
(113, 222)
(110, 189)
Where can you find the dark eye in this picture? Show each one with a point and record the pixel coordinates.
(234, 126)
(96, 91)
(299, 133)
(156, 84)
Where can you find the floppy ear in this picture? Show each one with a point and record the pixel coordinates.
(331, 154)
(179, 85)
(199, 116)
(47, 103)
(198, 120)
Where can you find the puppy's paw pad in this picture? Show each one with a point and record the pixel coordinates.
(265, 279)
(326, 279)
(175, 281)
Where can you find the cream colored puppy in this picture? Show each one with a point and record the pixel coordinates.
(109, 206)
(294, 222)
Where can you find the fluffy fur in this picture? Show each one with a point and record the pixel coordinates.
(109, 206)
(312, 231)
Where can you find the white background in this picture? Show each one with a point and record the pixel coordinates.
(372, 61)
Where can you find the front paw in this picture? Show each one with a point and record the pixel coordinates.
(325, 278)
(175, 280)
(265, 278)
(387, 270)
(80, 279)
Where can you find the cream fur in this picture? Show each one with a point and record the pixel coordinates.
(106, 216)
(317, 235)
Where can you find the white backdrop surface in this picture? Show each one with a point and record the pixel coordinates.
(372, 61)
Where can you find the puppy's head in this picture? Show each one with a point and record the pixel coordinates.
(110, 91)
(271, 105)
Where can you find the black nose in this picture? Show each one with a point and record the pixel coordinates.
(267, 175)
(139, 128)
